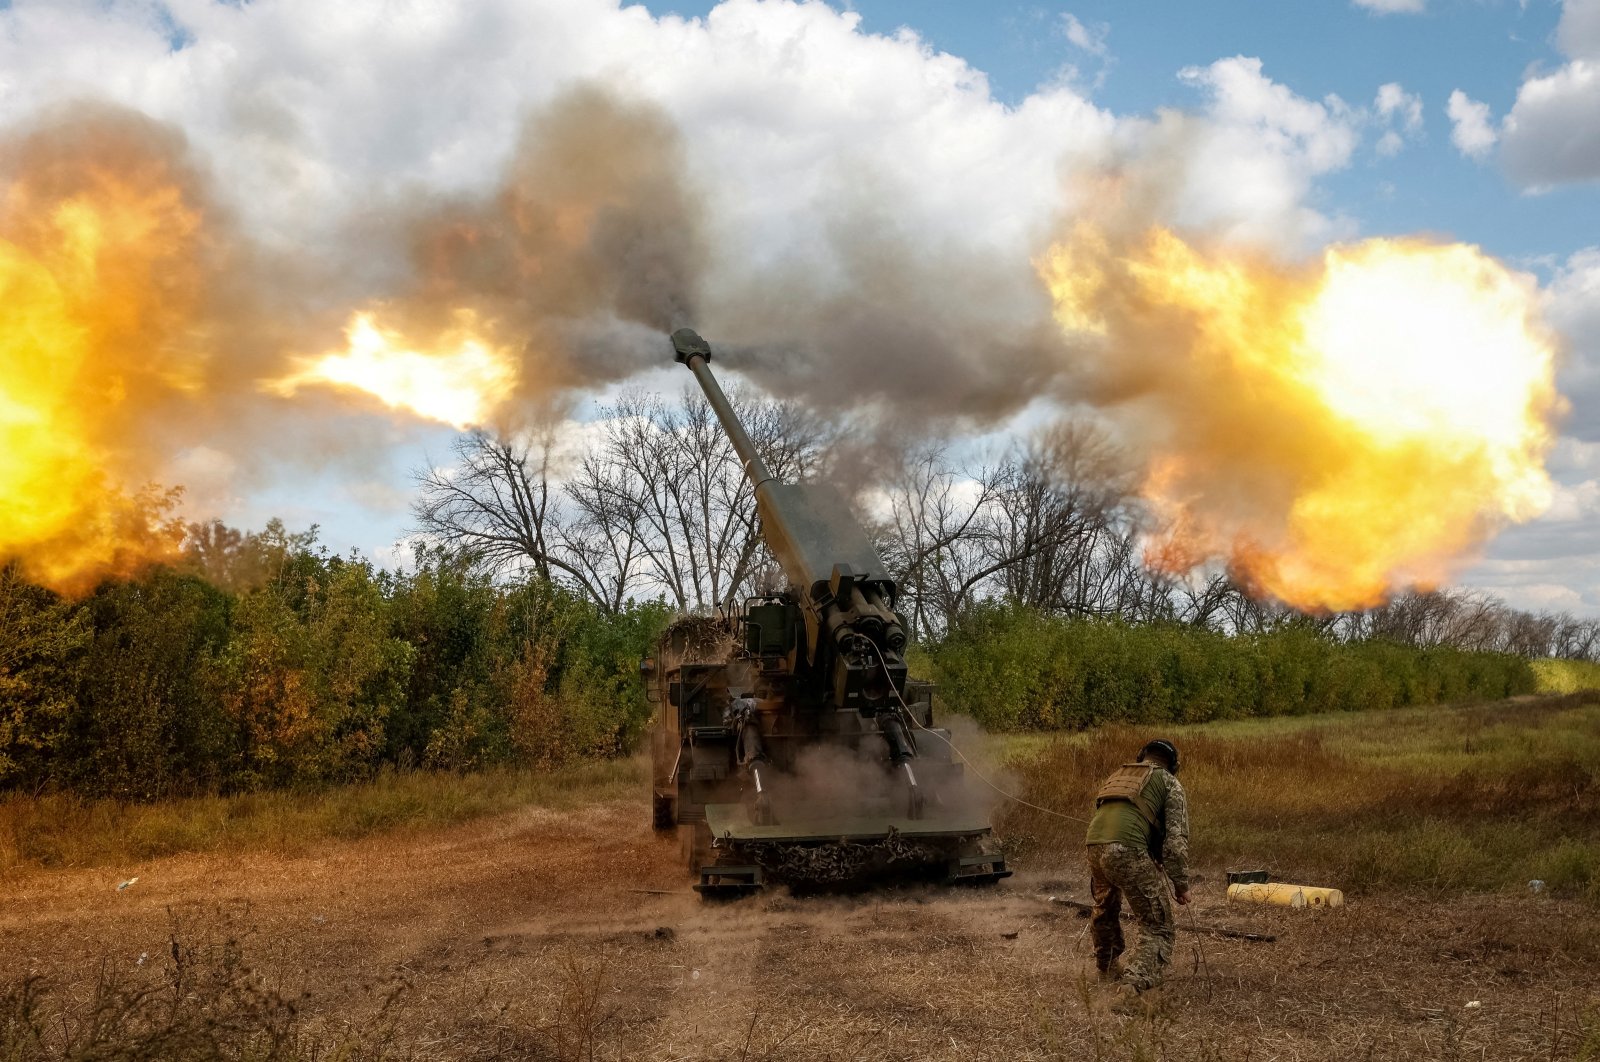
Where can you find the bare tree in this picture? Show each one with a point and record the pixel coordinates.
(1062, 536)
(930, 536)
(602, 535)
(496, 505)
(665, 480)
(657, 503)
(1050, 526)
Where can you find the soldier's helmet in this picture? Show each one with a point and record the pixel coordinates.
(1162, 749)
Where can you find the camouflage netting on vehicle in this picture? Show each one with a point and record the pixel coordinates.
(843, 864)
(698, 640)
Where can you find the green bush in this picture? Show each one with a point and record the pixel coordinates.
(1566, 676)
(265, 662)
(1012, 668)
(41, 642)
(145, 720)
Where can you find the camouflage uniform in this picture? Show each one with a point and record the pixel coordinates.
(1121, 864)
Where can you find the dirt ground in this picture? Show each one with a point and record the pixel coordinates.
(537, 935)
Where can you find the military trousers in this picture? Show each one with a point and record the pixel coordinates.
(1117, 871)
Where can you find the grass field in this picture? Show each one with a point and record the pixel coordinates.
(63, 830)
(1436, 800)
(514, 916)
(1565, 676)
(1478, 797)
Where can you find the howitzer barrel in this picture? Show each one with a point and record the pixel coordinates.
(844, 587)
(807, 526)
(696, 353)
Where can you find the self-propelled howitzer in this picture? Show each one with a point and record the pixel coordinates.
(785, 741)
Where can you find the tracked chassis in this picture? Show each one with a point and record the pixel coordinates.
(835, 842)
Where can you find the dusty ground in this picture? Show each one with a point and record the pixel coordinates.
(534, 935)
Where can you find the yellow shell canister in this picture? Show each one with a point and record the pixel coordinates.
(1286, 895)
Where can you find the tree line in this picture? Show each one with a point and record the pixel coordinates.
(262, 660)
(657, 504)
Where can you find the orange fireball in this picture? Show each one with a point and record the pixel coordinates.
(94, 281)
(1331, 431)
(458, 379)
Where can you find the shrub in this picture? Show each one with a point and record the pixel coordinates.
(1566, 676)
(1012, 668)
(284, 666)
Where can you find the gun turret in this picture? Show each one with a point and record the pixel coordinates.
(854, 642)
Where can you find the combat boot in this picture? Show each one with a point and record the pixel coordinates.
(1134, 1002)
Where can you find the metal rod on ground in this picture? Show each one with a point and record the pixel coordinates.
(1194, 929)
(1237, 934)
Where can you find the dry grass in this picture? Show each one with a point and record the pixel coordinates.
(999, 975)
(1566, 676)
(565, 931)
(1433, 800)
(64, 830)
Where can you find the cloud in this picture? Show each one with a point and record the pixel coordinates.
(1393, 7)
(1575, 312)
(865, 210)
(1395, 104)
(1400, 114)
(1552, 134)
(1579, 31)
(1546, 564)
(847, 169)
(1091, 40)
(872, 179)
(1251, 161)
(1554, 561)
(1472, 133)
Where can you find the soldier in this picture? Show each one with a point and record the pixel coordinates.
(1139, 833)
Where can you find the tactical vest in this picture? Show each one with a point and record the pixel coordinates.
(1127, 783)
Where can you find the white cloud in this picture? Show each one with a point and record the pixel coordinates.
(1577, 456)
(1395, 104)
(1579, 31)
(1393, 7)
(1252, 163)
(1091, 40)
(1400, 114)
(1473, 134)
(309, 112)
(1574, 310)
(308, 109)
(1554, 561)
(1552, 133)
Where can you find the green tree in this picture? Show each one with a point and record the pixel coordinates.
(41, 641)
(145, 723)
(359, 671)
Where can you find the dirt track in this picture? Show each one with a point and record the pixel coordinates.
(529, 936)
